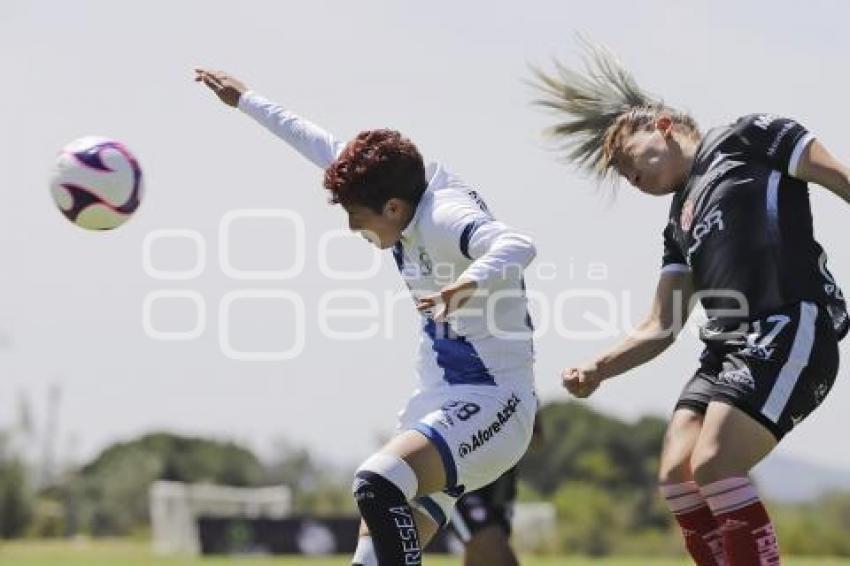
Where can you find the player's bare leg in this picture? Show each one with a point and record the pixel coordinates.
(676, 478)
(489, 547)
(730, 444)
(679, 441)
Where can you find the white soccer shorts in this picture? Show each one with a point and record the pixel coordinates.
(480, 431)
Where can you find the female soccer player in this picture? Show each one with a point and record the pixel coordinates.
(471, 418)
(739, 238)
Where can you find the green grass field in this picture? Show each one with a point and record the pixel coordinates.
(132, 553)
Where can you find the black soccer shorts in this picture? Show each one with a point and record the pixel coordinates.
(491, 505)
(777, 369)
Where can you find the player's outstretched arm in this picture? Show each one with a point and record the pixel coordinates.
(817, 165)
(308, 139)
(670, 309)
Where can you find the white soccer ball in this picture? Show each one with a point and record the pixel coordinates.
(96, 183)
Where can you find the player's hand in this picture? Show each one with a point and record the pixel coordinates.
(582, 382)
(227, 88)
(448, 301)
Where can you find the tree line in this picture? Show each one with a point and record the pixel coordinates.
(599, 472)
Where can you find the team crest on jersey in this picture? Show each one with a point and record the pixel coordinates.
(687, 216)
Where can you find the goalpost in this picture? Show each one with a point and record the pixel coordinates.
(175, 508)
(185, 516)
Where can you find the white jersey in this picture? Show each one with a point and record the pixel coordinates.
(452, 235)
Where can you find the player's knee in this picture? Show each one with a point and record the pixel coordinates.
(675, 470)
(679, 441)
(709, 466)
(383, 487)
(382, 472)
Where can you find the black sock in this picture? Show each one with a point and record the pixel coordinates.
(390, 520)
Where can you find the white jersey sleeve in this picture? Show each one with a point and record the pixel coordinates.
(308, 139)
(497, 250)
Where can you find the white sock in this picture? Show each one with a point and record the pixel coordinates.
(365, 553)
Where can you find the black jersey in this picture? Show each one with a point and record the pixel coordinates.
(742, 225)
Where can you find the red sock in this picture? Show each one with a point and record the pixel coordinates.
(748, 535)
(703, 538)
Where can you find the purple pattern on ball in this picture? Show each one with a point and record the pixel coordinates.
(90, 157)
(133, 202)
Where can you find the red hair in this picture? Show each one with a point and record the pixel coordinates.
(374, 167)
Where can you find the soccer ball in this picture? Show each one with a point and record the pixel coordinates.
(96, 183)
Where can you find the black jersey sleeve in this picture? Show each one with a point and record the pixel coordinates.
(778, 141)
(672, 259)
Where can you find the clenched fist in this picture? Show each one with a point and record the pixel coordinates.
(582, 382)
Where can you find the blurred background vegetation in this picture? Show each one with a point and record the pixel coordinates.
(597, 471)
